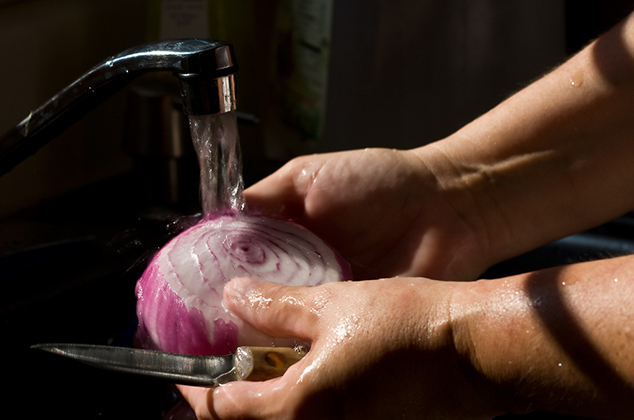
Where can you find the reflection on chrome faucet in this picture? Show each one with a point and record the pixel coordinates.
(205, 70)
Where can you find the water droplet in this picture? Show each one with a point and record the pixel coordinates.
(576, 82)
(577, 79)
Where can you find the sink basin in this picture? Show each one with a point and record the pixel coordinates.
(609, 240)
(69, 270)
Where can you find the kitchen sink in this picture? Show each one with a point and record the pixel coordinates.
(69, 268)
(612, 239)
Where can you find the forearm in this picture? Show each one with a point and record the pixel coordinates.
(560, 340)
(551, 160)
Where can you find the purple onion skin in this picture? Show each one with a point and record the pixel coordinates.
(179, 296)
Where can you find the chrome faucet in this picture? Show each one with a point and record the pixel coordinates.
(205, 69)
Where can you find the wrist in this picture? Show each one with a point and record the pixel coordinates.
(463, 204)
(487, 320)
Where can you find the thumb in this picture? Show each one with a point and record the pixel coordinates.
(277, 196)
(275, 309)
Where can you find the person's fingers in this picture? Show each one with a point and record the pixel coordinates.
(241, 400)
(197, 398)
(277, 195)
(277, 310)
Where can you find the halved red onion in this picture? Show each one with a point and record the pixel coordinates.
(180, 307)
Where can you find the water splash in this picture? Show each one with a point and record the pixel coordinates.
(217, 144)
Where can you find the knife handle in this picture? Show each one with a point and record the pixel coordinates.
(262, 363)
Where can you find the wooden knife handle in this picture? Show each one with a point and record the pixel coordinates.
(262, 363)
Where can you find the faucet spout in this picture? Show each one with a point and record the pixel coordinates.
(206, 71)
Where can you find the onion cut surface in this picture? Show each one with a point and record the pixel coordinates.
(179, 296)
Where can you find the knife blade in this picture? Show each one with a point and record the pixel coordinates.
(247, 364)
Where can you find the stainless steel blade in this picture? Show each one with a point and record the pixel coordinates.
(176, 368)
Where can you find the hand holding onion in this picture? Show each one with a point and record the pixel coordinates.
(180, 307)
(377, 352)
(383, 210)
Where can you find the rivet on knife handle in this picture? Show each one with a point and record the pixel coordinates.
(262, 363)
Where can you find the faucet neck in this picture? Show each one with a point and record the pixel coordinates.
(205, 68)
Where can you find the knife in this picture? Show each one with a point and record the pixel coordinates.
(247, 364)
